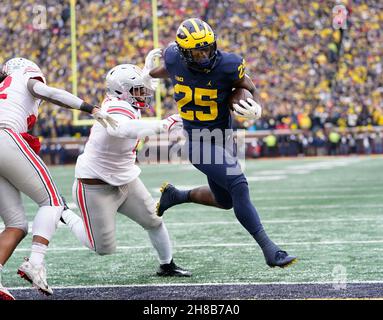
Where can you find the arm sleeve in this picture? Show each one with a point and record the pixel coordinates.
(57, 96)
(134, 128)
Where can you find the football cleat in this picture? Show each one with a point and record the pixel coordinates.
(36, 275)
(168, 198)
(5, 294)
(281, 259)
(172, 270)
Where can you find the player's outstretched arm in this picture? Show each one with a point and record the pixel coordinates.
(65, 99)
(138, 129)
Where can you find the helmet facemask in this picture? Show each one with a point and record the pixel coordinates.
(142, 96)
(125, 82)
(202, 58)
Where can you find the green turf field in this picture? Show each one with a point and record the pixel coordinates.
(328, 211)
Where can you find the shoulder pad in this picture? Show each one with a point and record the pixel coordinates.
(114, 103)
(230, 62)
(172, 54)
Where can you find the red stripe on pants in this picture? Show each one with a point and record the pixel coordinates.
(46, 179)
(84, 212)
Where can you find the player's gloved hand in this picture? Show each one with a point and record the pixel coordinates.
(248, 109)
(150, 63)
(173, 122)
(150, 60)
(104, 118)
(154, 83)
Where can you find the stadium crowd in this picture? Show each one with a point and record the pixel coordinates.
(310, 76)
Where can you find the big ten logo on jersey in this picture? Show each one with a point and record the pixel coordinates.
(202, 97)
(4, 85)
(339, 20)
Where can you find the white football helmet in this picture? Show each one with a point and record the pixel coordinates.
(17, 63)
(125, 82)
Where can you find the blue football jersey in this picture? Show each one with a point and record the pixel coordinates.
(202, 97)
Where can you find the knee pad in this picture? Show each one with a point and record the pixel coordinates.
(46, 220)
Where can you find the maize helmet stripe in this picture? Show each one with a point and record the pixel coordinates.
(195, 25)
(194, 33)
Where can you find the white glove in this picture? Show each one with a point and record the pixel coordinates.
(173, 122)
(150, 63)
(104, 118)
(150, 60)
(249, 109)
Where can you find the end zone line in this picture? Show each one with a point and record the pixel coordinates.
(282, 283)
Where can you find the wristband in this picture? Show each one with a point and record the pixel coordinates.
(86, 107)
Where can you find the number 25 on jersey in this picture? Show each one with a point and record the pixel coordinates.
(198, 95)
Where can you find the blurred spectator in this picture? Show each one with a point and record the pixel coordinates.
(308, 74)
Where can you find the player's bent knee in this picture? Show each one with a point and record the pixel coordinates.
(23, 226)
(18, 223)
(226, 206)
(152, 222)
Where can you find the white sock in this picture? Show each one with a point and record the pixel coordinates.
(1, 269)
(38, 253)
(161, 242)
(76, 226)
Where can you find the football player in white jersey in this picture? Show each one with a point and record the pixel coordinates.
(22, 88)
(107, 179)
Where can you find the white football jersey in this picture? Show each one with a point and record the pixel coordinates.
(106, 157)
(18, 108)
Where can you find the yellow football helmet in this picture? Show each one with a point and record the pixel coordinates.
(197, 44)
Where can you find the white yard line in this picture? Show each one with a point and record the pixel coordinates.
(205, 284)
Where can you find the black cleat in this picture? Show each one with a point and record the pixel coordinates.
(172, 270)
(167, 200)
(282, 260)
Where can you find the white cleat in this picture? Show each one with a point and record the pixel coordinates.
(5, 294)
(37, 275)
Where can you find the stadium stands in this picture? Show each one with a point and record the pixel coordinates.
(310, 76)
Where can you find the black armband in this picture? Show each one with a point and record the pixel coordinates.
(3, 75)
(86, 107)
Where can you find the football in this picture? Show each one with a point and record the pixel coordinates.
(239, 94)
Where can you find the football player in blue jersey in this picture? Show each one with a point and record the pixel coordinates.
(203, 78)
